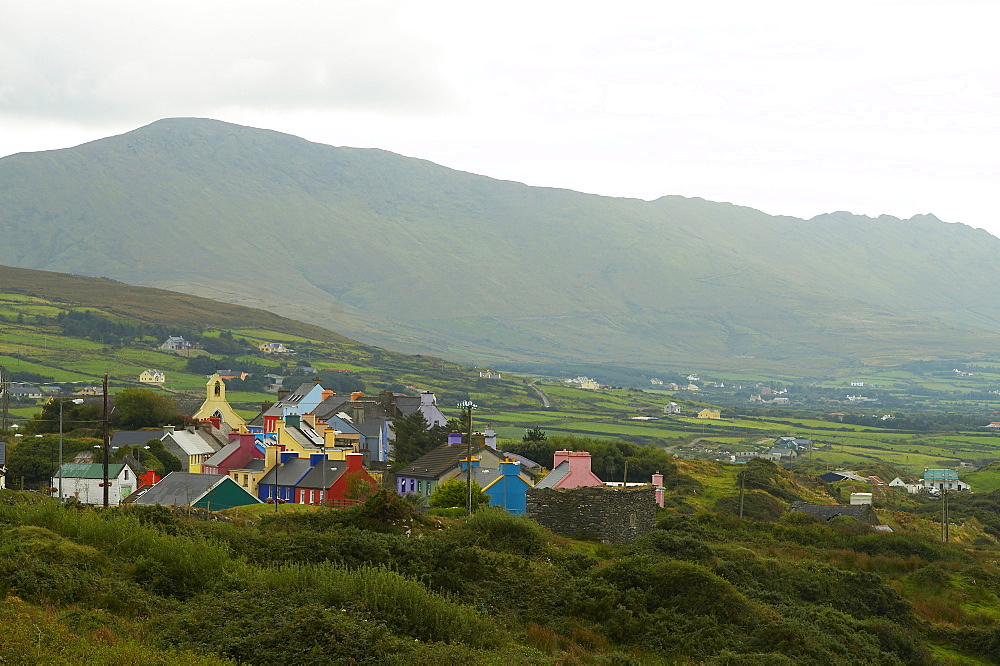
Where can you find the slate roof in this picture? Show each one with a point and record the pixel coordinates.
(288, 474)
(253, 465)
(863, 512)
(555, 476)
(88, 471)
(194, 443)
(436, 462)
(314, 478)
(122, 438)
(223, 453)
(181, 489)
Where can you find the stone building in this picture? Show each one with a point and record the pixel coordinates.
(610, 515)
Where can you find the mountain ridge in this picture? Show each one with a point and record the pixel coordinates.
(414, 256)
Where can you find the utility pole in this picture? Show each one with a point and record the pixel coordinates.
(107, 439)
(469, 406)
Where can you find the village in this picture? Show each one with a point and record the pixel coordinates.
(313, 446)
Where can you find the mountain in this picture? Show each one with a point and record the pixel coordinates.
(413, 256)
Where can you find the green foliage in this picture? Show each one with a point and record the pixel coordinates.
(756, 505)
(414, 438)
(36, 459)
(455, 492)
(141, 408)
(498, 530)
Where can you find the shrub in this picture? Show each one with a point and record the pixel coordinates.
(496, 529)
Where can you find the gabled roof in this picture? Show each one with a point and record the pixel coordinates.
(436, 462)
(862, 512)
(252, 465)
(223, 453)
(555, 476)
(315, 478)
(88, 470)
(122, 438)
(296, 396)
(181, 489)
(194, 443)
(287, 474)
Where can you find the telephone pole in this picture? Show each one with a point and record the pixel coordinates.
(469, 406)
(106, 448)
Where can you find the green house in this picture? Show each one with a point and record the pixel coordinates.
(212, 492)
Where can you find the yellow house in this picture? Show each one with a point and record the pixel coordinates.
(152, 377)
(709, 414)
(216, 404)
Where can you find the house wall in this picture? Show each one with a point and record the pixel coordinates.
(225, 496)
(611, 516)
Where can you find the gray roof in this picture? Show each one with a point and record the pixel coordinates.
(134, 437)
(288, 474)
(220, 456)
(253, 465)
(3, 453)
(315, 478)
(863, 512)
(555, 476)
(180, 489)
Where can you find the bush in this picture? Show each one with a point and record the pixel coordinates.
(496, 529)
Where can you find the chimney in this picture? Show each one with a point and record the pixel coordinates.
(271, 456)
(559, 457)
(510, 467)
(315, 459)
(454, 438)
(293, 421)
(283, 393)
(266, 405)
(286, 456)
(426, 398)
(464, 462)
(359, 414)
(327, 393)
(330, 438)
(658, 488)
(478, 440)
(355, 395)
(579, 461)
(354, 461)
(168, 429)
(190, 428)
(491, 437)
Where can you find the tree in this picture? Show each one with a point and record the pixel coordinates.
(141, 408)
(36, 459)
(453, 492)
(414, 438)
(535, 434)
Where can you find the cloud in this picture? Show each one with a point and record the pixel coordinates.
(104, 59)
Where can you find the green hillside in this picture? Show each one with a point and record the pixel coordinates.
(133, 321)
(417, 257)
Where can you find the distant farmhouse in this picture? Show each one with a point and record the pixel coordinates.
(152, 377)
(274, 348)
(709, 414)
(175, 343)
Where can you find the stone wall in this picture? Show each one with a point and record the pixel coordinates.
(606, 514)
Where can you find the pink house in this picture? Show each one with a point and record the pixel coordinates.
(242, 448)
(570, 469)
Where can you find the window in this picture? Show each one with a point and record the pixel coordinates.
(246, 480)
(420, 486)
(126, 473)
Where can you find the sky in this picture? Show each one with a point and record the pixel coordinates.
(874, 107)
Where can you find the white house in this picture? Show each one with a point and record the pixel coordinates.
(85, 482)
(175, 343)
(912, 488)
(671, 408)
(943, 479)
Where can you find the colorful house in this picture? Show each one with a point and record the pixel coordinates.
(509, 490)
(242, 448)
(192, 446)
(424, 474)
(152, 377)
(570, 469)
(709, 414)
(211, 492)
(329, 481)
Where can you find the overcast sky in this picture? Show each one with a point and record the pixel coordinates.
(795, 108)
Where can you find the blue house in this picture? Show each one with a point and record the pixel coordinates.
(280, 481)
(509, 490)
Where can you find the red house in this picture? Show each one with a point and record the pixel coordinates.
(336, 477)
